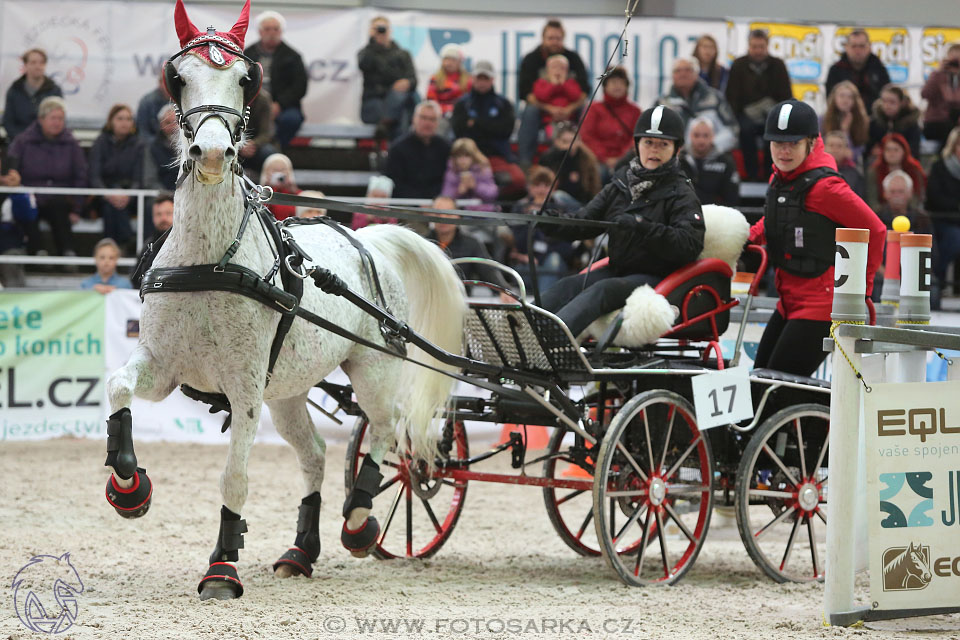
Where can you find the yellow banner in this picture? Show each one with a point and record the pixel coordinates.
(799, 45)
(934, 42)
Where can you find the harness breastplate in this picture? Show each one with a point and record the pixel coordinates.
(799, 241)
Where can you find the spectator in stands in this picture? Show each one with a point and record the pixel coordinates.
(311, 212)
(861, 67)
(417, 161)
(469, 175)
(277, 172)
(161, 220)
(713, 174)
(579, 172)
(451, 81)
(148, 110)
(18, 219)
(711, 71)
(552, 255)
(389, 82)
(160, 168)
(47, 155)
(27, 92)
(284, 76)
(555, 91)
(457, 242)
(259, 140)
(488, 118)
(691, 97)
(895, 154)
(116, 162)
(757, 82)
(532, 68)
(846, 112)
(942, 93)
(106, 279)
(380, 189)
(899, 200)
(607, 128)
(943, 203)
(837, 145)
(894, 112)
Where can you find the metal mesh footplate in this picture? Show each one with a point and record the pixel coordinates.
(523, 338)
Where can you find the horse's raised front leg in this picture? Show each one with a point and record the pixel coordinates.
(294, 424)
(129, 489)
(221, 580)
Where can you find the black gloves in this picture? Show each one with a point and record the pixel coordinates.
(626, 221)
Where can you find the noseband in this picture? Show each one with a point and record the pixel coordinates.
(251, 87)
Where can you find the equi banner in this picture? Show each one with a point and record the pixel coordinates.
(912, 436)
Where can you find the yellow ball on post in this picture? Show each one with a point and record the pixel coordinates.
(901, 223)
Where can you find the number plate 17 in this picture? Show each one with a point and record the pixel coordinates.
(722, 397)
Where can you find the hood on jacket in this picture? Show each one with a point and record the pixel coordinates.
(905, 118)
(818, 157)
(34, 134)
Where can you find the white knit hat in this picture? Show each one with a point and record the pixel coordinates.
(451, 50)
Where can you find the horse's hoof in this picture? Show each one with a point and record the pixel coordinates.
(221, 582)
(292, 563)
(133, 502)
(360, 541)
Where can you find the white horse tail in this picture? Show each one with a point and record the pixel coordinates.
(437, 304)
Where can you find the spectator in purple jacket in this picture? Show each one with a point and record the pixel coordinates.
(47, 155)
(469, 175)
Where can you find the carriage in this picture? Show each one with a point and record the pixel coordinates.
(626, 473)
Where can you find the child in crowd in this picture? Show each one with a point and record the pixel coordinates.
(845, 112)
(311, 212)
(451, 81)
(557, 90)
(469, 175)
(837, 145)
(105, 280)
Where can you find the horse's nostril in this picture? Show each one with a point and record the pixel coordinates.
(230, 154)
(195, 152)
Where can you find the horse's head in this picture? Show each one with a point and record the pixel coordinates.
(919, 563)
(212, 87)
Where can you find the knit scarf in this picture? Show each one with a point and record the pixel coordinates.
(640, 180)
(953, 165)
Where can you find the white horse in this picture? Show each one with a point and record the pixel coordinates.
(217, 341)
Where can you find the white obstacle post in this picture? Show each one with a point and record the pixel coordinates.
(916, 273)
(849, 305)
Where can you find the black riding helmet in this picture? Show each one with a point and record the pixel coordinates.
(791, 120)
(660, 122)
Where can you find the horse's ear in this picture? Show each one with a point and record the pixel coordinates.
(186, 30)
(239, 30)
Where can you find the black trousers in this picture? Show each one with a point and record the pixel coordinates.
(580, 299)
(792, 346)
(56, 211)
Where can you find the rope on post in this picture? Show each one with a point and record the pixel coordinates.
(834, 325)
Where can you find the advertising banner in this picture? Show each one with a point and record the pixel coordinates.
(51, 365)
(800, 46)
(890, 44)
(913, 494)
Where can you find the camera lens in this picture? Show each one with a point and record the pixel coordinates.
(381, 28)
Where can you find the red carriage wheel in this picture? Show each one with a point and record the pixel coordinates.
(417, 510)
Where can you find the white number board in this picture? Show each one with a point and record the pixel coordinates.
(722, 397)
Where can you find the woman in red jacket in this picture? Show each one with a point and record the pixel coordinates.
(607, 129)
(806, 202)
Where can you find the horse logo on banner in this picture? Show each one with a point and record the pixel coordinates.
(906, 568)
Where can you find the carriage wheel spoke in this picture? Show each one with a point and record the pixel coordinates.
(433, 517)
(686, 489)
(663, 546)
(583, 525)
(823, 452)
(780, 464)
(646, 429)
(626, 493)
(389, 483)
(767, 527)
(409, 505)
(643, 544)
(683, 458)
(390, 514)
(803, 460)
(666, 442)
(391, 463)
(676, 518)
(790, 541)
(633, 463)
(633, 518)
(813, 549)
(770, 493)
(821, 514)
(570, 496)
(613, 515)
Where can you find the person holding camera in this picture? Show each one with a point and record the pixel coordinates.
(942, 93)
(389, 82)
(277, 173)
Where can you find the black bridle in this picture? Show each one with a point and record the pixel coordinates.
(174, 84)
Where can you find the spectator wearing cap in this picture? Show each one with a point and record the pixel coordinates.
(691, 97)
(47, 155)
(148, 110)
(757, 82)
(713, 174)
(389, 82)
(532, 68)
(451, 81)
(27, 92)
(607, 128)
(417, 160)
(861, 67)
(487, 118)
(284, 75)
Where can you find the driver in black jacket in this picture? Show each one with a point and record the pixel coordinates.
(659, 226)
